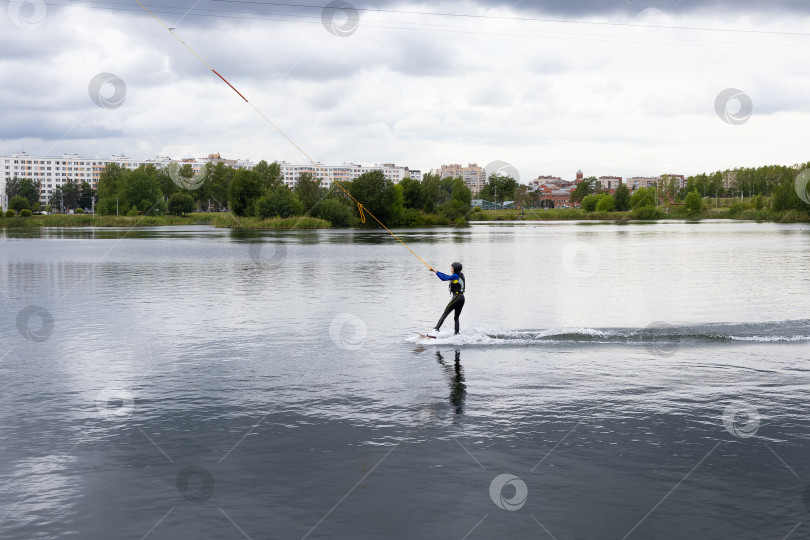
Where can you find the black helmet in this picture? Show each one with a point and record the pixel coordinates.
(456, 266)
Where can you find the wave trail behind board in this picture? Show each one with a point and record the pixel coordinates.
(658, 335)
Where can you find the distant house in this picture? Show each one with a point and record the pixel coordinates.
(481, 203)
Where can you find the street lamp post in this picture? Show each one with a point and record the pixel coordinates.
(116, 207)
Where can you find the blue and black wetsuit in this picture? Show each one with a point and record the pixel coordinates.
(457, 286)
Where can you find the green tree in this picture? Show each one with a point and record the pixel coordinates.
(584, 188)
(140, 189)
(56, 199)
(460, 192)
(642, 197)
(243, 191)
(308, 190)
(454, 210)
(412, 193)
(280, 202)
(86, 195)
(18, 203)
(380, 196)
(589, 202)
(69, 195)
(499, 188)
(268, 175)
(215, 189)
(622, 198)
(106, 207)
(109, 179)
(786, 198)
(333, 211)
(12, 187)
(693, 204)
(29, 189)
(165, 181)
(605, 204)
(181, 204)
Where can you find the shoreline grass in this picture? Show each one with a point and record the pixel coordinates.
(222, 220)
(675, 213)
(229, 221)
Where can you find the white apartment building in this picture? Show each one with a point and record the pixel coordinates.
(339, 173)
(474, 177)
(636, 182)
(641, 182)
(52, 172)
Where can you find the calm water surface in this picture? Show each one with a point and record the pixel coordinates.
(610, 381)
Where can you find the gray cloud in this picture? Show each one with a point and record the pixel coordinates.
(211, 13)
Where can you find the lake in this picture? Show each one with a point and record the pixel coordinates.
(610, 381)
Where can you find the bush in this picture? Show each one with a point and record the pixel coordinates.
(693, 204)
(25, 213)
(454, 210)
(736, 209)
(180, 204)
(647, 213)
(333, 211)
(79, 211)
(279, 202)
(106, 207)
(10, 213)
(477, 209)
(758, 203)
(642, 197)
(605, 204)
(589, 203)
(18, 203)
(412, 216)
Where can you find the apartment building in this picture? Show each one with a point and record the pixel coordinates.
(474, 177)
(609, 182)
(347, 172)
(53, 172)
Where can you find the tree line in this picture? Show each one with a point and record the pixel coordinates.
(261, 193)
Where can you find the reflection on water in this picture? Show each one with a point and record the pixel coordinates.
(216, 345)
(455, 373)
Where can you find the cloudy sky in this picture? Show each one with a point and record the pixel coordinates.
(625, 87)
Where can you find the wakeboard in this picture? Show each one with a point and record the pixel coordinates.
(425, 335)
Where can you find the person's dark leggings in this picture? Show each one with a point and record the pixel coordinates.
(456, 303)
